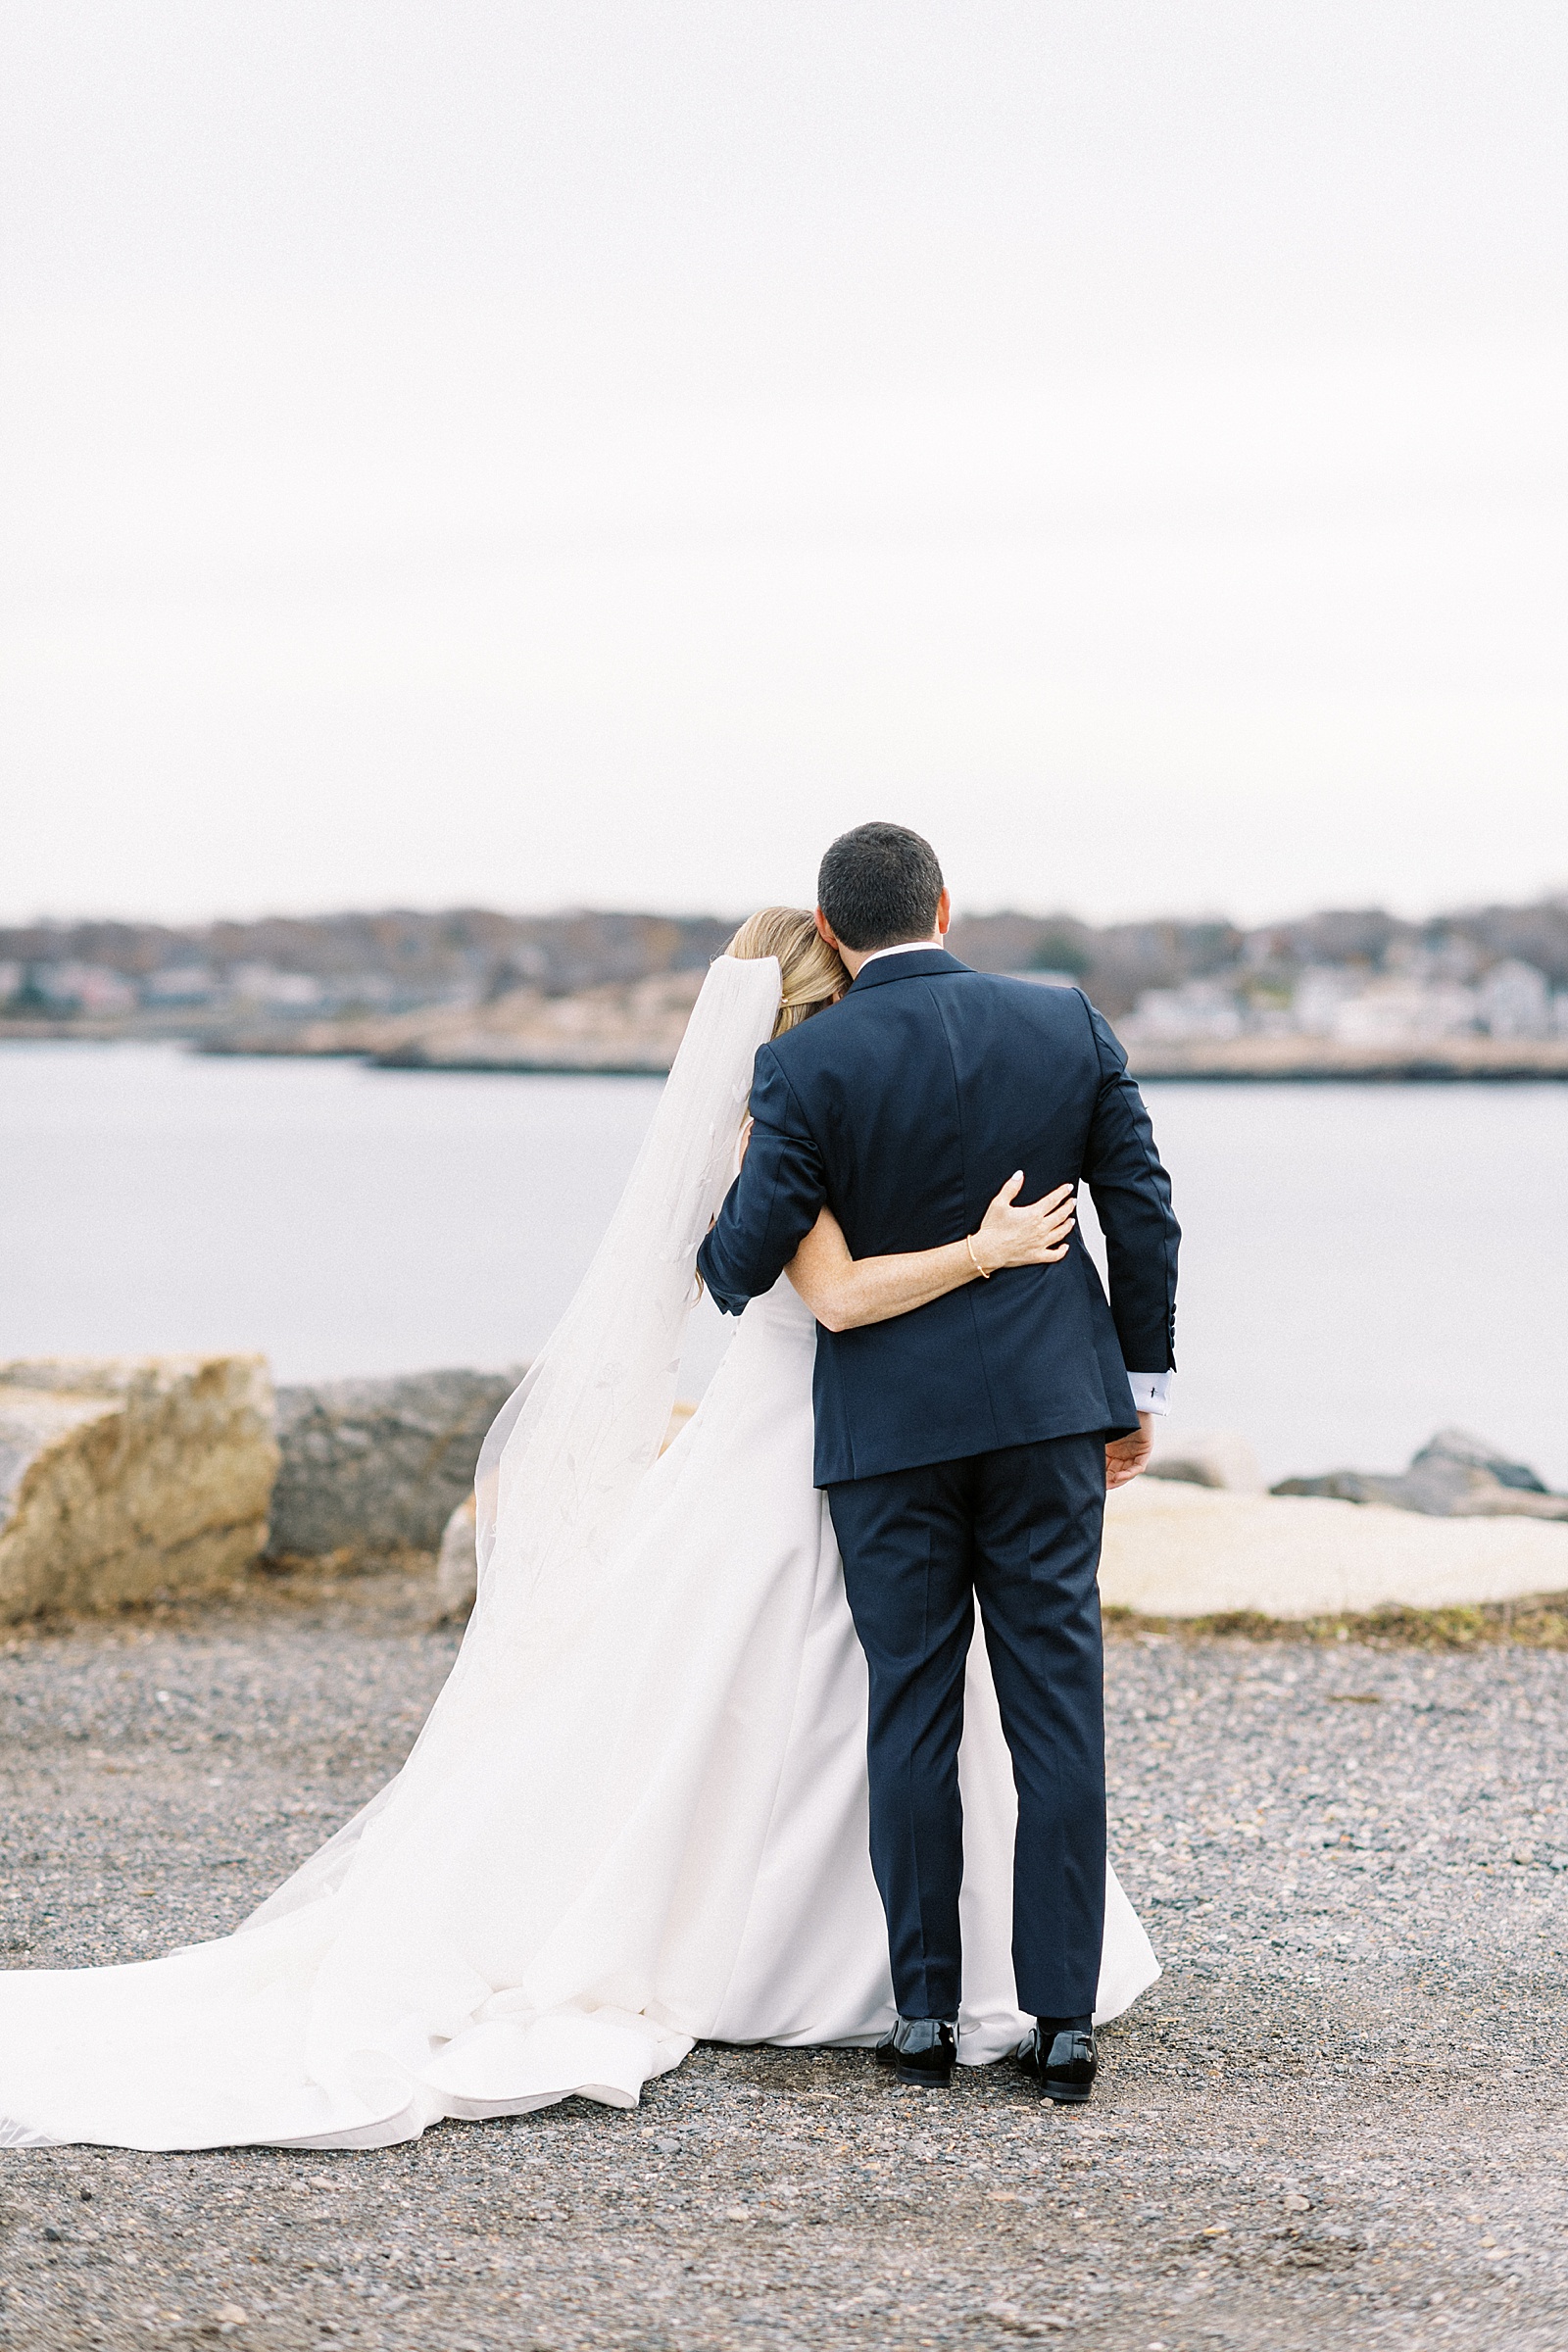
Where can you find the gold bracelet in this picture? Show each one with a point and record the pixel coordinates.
(968, 1242)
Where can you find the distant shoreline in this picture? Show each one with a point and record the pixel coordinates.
(1417, 1075)
(1303, 1061)
(1250, 1061)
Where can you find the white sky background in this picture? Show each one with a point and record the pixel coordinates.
(554, 452)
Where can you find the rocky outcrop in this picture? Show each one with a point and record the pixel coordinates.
(616, 1031)
(456, 1569)
(376, 1466)
(130, 1479)
(1176, 1551)
(1454, 1475)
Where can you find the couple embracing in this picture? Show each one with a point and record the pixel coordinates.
(719, 1758)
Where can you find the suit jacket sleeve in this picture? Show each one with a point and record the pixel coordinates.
(1131, 1193)
(773, 1202)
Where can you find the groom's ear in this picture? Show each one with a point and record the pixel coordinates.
(826, 931)
(944, 911)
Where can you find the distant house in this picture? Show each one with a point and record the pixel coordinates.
(179, 984)
(1515, 1000)
(71, 988)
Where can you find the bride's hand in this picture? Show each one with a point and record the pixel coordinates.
(1033, 1236)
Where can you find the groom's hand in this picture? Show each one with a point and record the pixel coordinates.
(1126, 1456)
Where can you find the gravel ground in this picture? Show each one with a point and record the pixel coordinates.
(1337, 2119)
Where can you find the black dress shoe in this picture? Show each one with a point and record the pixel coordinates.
(1063, 2063)
(922, 2049)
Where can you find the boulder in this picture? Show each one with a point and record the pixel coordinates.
(1177, 1551)
(1453, 1476)
(1475, 1453)
(1436, 1491)
(376, 1466)
(1218, 1457)
(130, 1479)
(457, 1568)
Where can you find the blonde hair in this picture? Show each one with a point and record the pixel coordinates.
(813, 974)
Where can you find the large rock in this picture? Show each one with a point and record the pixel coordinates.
(1179, 1550)
(457, 1568)
(1454, 1475)
(1457, 1446)
(375, 1466)
(130, 1479)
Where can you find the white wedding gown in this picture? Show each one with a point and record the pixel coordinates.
(636, 1816)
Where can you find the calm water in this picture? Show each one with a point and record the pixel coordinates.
(1360, 1264)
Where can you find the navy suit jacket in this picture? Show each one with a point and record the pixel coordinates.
(904, 1108)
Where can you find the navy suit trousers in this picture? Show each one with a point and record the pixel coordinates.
(1019, 1530)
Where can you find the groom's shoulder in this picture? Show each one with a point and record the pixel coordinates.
(1044, 1004)
(1039, 1014)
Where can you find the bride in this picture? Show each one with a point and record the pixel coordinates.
(636, 1816)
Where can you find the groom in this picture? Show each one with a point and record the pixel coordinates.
(967, 1447)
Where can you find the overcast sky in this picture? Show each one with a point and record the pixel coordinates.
(553, 452)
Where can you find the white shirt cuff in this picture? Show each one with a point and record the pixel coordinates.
(1151, 1391)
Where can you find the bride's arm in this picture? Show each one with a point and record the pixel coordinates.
(844, 1291)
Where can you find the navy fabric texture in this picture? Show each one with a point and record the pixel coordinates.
(1020, 1528)
(904, 1108)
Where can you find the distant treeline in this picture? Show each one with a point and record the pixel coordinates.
(473, 950)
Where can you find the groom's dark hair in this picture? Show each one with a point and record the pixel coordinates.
(879, 885)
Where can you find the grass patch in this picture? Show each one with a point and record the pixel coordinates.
(1537, 1622)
